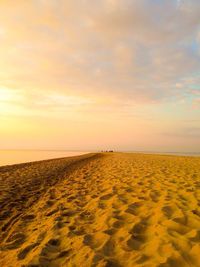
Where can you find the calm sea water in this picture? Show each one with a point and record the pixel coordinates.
(8, 157)
(188, 154)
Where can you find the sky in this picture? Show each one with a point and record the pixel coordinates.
(100, 74)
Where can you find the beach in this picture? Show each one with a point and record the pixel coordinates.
(101, 209)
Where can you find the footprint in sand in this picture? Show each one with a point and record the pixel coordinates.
(155, 195)
(196, 237)
(68, 213)
(134, 208)
(102, 205)
(52, 212)
(172, 262)
(182, 220)
(23, 253)
(168, 211)
(142, 259)
(15, 241)
(138, 237)
(174, 228)
(61, 220)
(49, 203)
(50, 253)
(76, 230)
(118, 224)
(59, 224)
(28, 217)
(99, 260)
(109, 248)
(87, 216)
(95, 241)
(51, 249)
(10, 222)
(110, 231)
(89, 241)
(129, 190)
(106, 196)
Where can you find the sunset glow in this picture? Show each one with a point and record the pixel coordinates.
(92, 75)
(100, 133)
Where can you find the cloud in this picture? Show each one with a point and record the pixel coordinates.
(137, 50)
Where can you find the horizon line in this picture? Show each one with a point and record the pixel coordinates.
(99, 150)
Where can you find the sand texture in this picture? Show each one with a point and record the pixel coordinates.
(111, 209)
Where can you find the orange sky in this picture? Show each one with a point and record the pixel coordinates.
(97, 75)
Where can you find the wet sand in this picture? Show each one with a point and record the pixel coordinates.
(111, 209)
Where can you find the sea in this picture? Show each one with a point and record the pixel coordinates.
(10, 157)
(187, 154)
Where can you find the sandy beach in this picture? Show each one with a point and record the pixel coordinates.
(106, 209)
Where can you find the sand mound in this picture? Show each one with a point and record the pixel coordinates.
(101, 210)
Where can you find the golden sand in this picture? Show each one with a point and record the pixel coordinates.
(111, 209)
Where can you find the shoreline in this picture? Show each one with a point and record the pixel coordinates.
(70, 154)
(197, 155)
